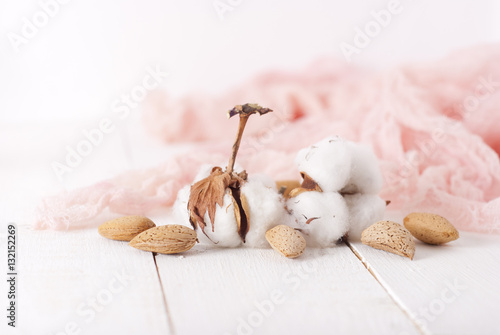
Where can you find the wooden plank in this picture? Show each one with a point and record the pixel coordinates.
(244, 291)
(77, 282)
(449, 289)
(73, 282)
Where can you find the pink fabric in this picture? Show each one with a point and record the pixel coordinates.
(434, 127)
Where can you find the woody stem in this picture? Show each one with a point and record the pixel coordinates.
(236, 145)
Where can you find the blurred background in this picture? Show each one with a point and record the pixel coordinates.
(64, 63)
(89, 52)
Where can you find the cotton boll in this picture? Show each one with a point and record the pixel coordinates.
(226, 227)
(264, 179)
(328, 162)
(365, 172)
(364, 210)
(266, 208)
(179, 209)
(225, 233)
(327, 214)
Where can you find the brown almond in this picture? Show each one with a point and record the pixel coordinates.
(389, 236)
(169, 239)
(430, 228)
(125, 228)
(286, 240)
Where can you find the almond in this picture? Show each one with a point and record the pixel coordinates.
(389, 236)
(430, 228)
(169, 239)
(125, 228)
(286, 240)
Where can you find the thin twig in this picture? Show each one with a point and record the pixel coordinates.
(236, 145)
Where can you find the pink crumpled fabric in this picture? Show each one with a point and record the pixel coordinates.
(433, 125)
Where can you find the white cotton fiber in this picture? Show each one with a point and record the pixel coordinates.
(364, 210)
(179, 209)
(225, 233)
(328, 162)
(330, 211)
(264, 179)
(226, 228)
(266, 209)
(365, 174)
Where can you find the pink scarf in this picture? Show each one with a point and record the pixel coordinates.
(434, 126)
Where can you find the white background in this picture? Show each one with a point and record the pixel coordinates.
(92, 51)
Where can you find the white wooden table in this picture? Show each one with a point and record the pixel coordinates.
(77, 282)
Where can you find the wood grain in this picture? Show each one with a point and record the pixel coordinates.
(243, 291)
(79, 280)
(448, 289)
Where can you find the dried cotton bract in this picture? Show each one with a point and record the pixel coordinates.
(212, 194)
(226, 232)
(264, 209)
(327, 162)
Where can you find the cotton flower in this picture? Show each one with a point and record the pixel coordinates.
(349, 179)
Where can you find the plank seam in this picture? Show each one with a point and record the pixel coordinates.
(389, 292)
(170, 324)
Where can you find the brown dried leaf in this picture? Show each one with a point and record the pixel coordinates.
(246, 208)
(247, 110)
(241, 212)
(206, 195)
(308, 185)
(237, 212)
